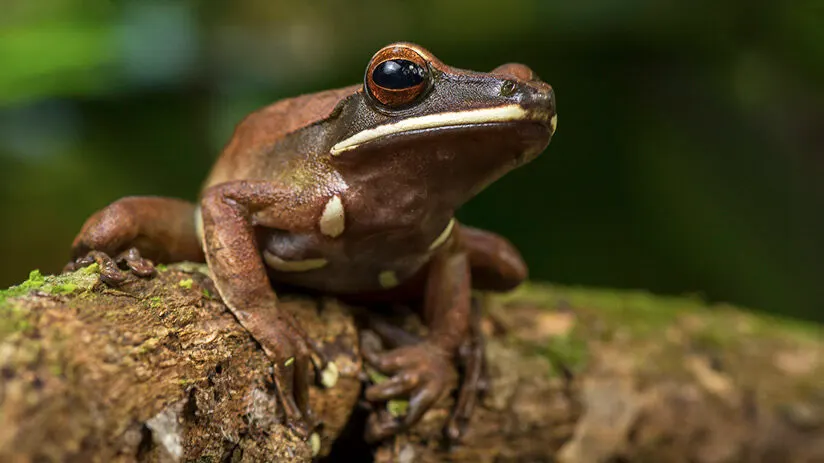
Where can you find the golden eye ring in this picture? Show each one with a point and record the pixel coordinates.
(397, 76)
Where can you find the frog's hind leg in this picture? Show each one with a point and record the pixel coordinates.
(495, 265)
(137, 231)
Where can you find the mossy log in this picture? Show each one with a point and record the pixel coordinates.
(159, 370)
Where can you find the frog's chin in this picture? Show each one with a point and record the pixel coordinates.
(467, 119)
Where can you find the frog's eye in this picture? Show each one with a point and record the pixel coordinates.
(397, 76)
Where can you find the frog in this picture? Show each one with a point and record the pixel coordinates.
(352, 193)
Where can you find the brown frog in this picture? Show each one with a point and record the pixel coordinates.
(351, 192)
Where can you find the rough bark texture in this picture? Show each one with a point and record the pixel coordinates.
(160, 371)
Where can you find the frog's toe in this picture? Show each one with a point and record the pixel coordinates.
(474, 377)
(422, 372)
(111, 268)
(109, 271)
(139, 265)
(423, 399)
(292, 384)
(381, 425)
(78, 263)
(396, 386)
(474, 384)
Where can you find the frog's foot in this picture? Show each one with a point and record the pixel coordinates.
(421, 372)
(110, 268)
(474, 377)
(298, 362)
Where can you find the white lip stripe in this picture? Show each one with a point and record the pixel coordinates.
(475, 116)
(443, 236)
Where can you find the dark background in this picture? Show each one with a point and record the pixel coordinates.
(688, 157)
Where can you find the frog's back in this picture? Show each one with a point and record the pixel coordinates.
(251, 152)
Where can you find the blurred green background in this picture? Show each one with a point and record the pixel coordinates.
(689, 155)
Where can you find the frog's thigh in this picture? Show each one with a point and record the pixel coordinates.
(162, 229)
(495, 263)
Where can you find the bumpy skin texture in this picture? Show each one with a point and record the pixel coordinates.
(353, 192)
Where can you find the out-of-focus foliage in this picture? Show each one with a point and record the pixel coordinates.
(689, 155)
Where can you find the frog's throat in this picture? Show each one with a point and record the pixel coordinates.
(512, 112)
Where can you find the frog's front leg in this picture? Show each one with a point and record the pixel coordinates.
(478, 259)
(425, 371)
(135, 229)
(229, 213)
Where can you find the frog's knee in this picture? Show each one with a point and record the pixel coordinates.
(108, 229)
(496, 264)
(504, 274)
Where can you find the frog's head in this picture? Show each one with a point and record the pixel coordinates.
(453, 130)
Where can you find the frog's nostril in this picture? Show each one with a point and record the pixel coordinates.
(508, 88)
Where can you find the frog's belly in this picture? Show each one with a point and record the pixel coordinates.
(379, 262)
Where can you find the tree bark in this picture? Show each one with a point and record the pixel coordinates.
(159, 370)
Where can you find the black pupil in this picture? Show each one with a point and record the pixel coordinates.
(397, 74)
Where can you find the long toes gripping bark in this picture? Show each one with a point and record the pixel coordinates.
(298, 363)
(474, 384)
(110, 272)
(291, 377)
(139, 265)
(421, 372)
(474, 377)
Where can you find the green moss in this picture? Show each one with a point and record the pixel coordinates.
(567, 353)
(13, 319)
(155, 302)
(161, 267)
(63, 288)
(644, 315)
(35, 281)
(206, 293)
(67, 283)
(148, 346)
(641, 313)
(92, 269)
(187, 283)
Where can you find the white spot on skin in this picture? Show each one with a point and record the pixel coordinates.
(329, 376)
(199, 224)
(314, 443)
(332, 220)
(281, 265)
(441, 239)
(388, 279)
(553, 123)
(475, 116)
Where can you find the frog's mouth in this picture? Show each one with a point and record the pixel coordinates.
(508, 113)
